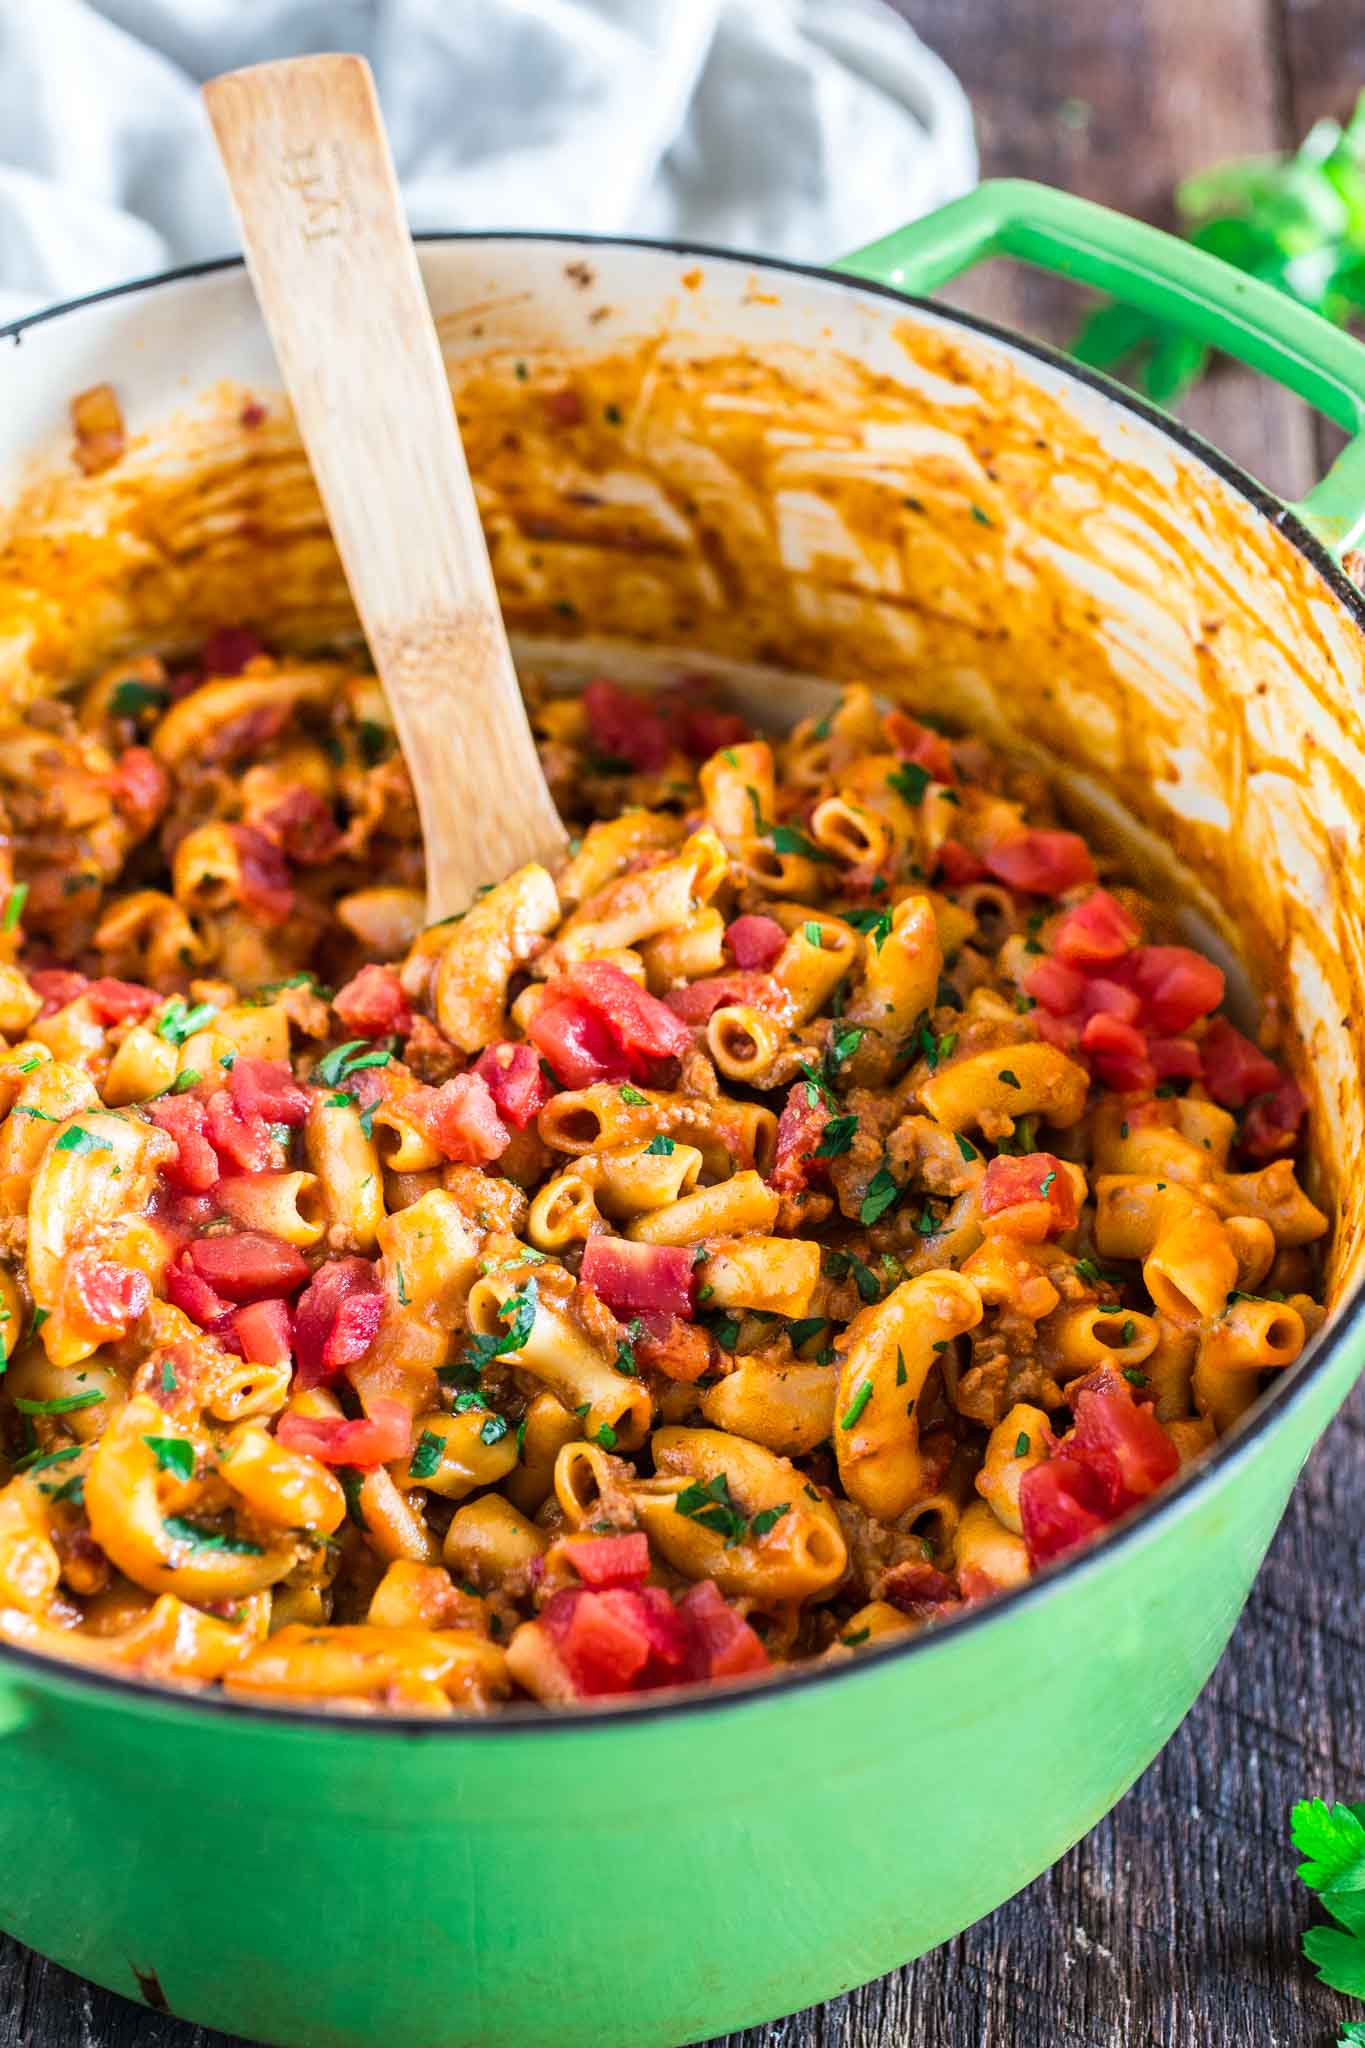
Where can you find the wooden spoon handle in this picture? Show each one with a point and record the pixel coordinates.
(336, 276)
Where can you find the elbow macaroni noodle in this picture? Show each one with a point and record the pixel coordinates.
(815, 1207)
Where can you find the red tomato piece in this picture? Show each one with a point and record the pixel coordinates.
(377, 1438)
(515, 1079)
(576, 1043)
(1061, 1505)
(798, 1133)
(1234, 1068)
(1174, 985)
(372, 1004)
(460, 1118)
(303, 825)
(141, 788)
(110, 1298)
(266, 888)
(1063, 1032)
(564, 408)
(266, 1089)
(1102, 997)
(248, 1264)
(57, 986)
(1058, 988)
(1271, 1126)
(723, 1644)
(1094, 932)
(629, 1276)
(1175, 1059)
(239, 1141)
(335, 1319)
(1034, 1191)
(1040, 862)
(601, 1637)
(227, 651)
(1118, 1055)
(195, 1166)
(624, 726)
(645, 1028)
(755, 941)
(194, 1297)
(699, 1000)
(958, 865)
(915, 742)
(702, 729)
(120, 1002)
(918, 1589)
(265, 1331)
(1123, 1445)
(609, 1560)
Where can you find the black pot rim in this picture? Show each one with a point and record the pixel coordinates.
(1277, 1402)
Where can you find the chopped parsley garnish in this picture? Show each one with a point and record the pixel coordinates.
(38, 1461)
(856, 1405)
(817, 1090)
(403, 1295)
(982, 518)
(876, 924)
(1045, 1184)
(624, 1361)
(859, 1635)
(806, 1327)
(495, 1428)
(131, 696)
(78, 1139)
(61, 1404)
(882, 1191)
(966, 1148)
(1022, 1446)
(351, 1479)
(14, 906)
(39, 1115)
(189, 1078)
(901, 1374)
(845, 1043)
(606, 1435)
(172, 1454)
(1090, 1270)
(1010, 1079)
(768, 1518)
(633, 1097)
(839, 1264)
(483, 1350)
(910, 781)
(813, 934)
(168, 1380)
(343, 1060)
(836, 1137)
(426, 1456)
(659, 1147)
(926, 1223)
(1135, 1374)
(712, 1504)
(209, 1539)
(1129, 1330)
(786, 839)
(180, 1022)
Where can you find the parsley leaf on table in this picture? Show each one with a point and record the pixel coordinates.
(1332, 1839)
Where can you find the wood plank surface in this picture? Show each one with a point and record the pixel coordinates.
(1176, 1923)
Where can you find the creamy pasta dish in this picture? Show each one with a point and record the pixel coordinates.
(827, 1199)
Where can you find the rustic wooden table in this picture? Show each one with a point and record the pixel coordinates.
(1176, 1923)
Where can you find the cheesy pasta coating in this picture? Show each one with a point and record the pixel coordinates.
(816, 1207)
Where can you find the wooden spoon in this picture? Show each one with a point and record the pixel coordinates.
(336, 276)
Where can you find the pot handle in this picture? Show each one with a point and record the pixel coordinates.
(1180, 284)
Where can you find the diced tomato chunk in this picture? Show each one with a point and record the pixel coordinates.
(1174, 985)
(1118, 1055)
(120, 1002)
(1061, 1505)
(1057, 987)
(460, 1118)
(515, 1079)
(701, 728)
(382, 1434)
(141, 788)
(799, 1128)
(1123, 1444)
(266, 1089)
(629, 1276)
(227, 651)
(564, 407)
(624, 726)
(239, 1141)
(195, 1165)
(1042, 863)
(1175, 1059)
(264, 1331)
(57, 986)
(1271, 1126)
(958, 865)
(698, 1001)
(372, 1004)
(755, 940)
(1033, 1191)
(576, 1043)
(599, 1025)
(266, 888)
(110, 1298)
(601, 1639)
(193, 1296)
(609, 1560)
(1234, 1068)
(303, 825)
(336, 1319)
(723, 1644)
(1063, 1032)
(1104, 998)
(1094, 932)
(247, 1264)
(916, 742)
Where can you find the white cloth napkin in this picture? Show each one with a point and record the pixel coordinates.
(786, 127)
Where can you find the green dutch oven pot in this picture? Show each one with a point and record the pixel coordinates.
(669, 1871)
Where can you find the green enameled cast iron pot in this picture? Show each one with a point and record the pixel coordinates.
(1191, 654)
